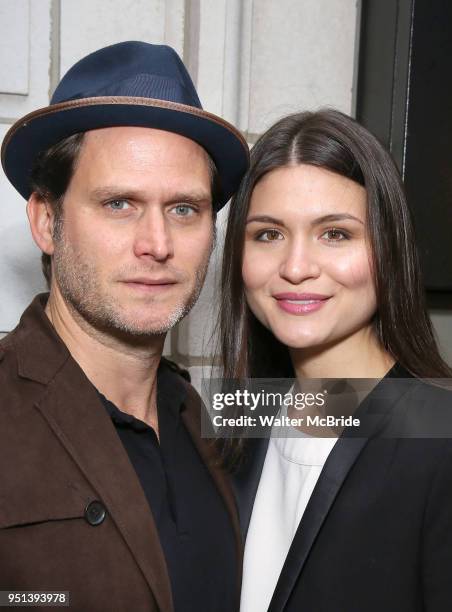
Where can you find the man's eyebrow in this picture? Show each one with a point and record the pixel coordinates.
(187, 196)
(115, 191)
(111, 192)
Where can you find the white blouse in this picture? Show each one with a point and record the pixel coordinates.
(291, 469)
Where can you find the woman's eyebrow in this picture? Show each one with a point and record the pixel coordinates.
(323, 219)
(335, 217)
(264, 219)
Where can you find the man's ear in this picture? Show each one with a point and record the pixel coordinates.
(41, 218)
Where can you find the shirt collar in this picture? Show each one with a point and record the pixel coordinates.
(171, 393)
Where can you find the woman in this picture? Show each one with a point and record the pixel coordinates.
(321, 280)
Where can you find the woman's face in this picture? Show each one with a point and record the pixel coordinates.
(306, 265)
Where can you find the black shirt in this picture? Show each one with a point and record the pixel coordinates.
(192, 521)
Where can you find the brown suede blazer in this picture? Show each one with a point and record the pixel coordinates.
(59, 452)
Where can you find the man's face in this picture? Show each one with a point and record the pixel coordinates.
(132, 251)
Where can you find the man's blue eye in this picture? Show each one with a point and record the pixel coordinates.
(183, 210)
(118, 204)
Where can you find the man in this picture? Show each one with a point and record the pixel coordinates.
(107, 490)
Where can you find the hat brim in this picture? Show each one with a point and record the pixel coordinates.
(47, 126)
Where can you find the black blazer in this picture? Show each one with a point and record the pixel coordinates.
(376, 535)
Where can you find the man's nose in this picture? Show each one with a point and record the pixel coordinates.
(300, 262)
(153, 236)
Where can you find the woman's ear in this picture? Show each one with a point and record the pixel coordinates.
(41, 218)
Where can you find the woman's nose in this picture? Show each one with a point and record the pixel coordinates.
(300, 263)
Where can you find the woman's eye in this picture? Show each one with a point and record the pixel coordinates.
(118, 204)
(334, 235)
(269, 236)
(183, 210)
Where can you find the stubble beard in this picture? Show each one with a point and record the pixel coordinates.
(81, 288)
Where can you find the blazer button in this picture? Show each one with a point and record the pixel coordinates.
(95, 513)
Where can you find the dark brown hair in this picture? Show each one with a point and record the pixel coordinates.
(52, 173)
(331, 140)
(50, 178)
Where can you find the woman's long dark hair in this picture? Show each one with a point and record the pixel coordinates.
(331, 140)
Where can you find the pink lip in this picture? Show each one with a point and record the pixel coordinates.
(286, 301)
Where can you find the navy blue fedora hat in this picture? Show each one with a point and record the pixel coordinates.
(127, 84)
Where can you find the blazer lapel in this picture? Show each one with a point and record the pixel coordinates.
(373, 412)
(344, 454)
(74, 411)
